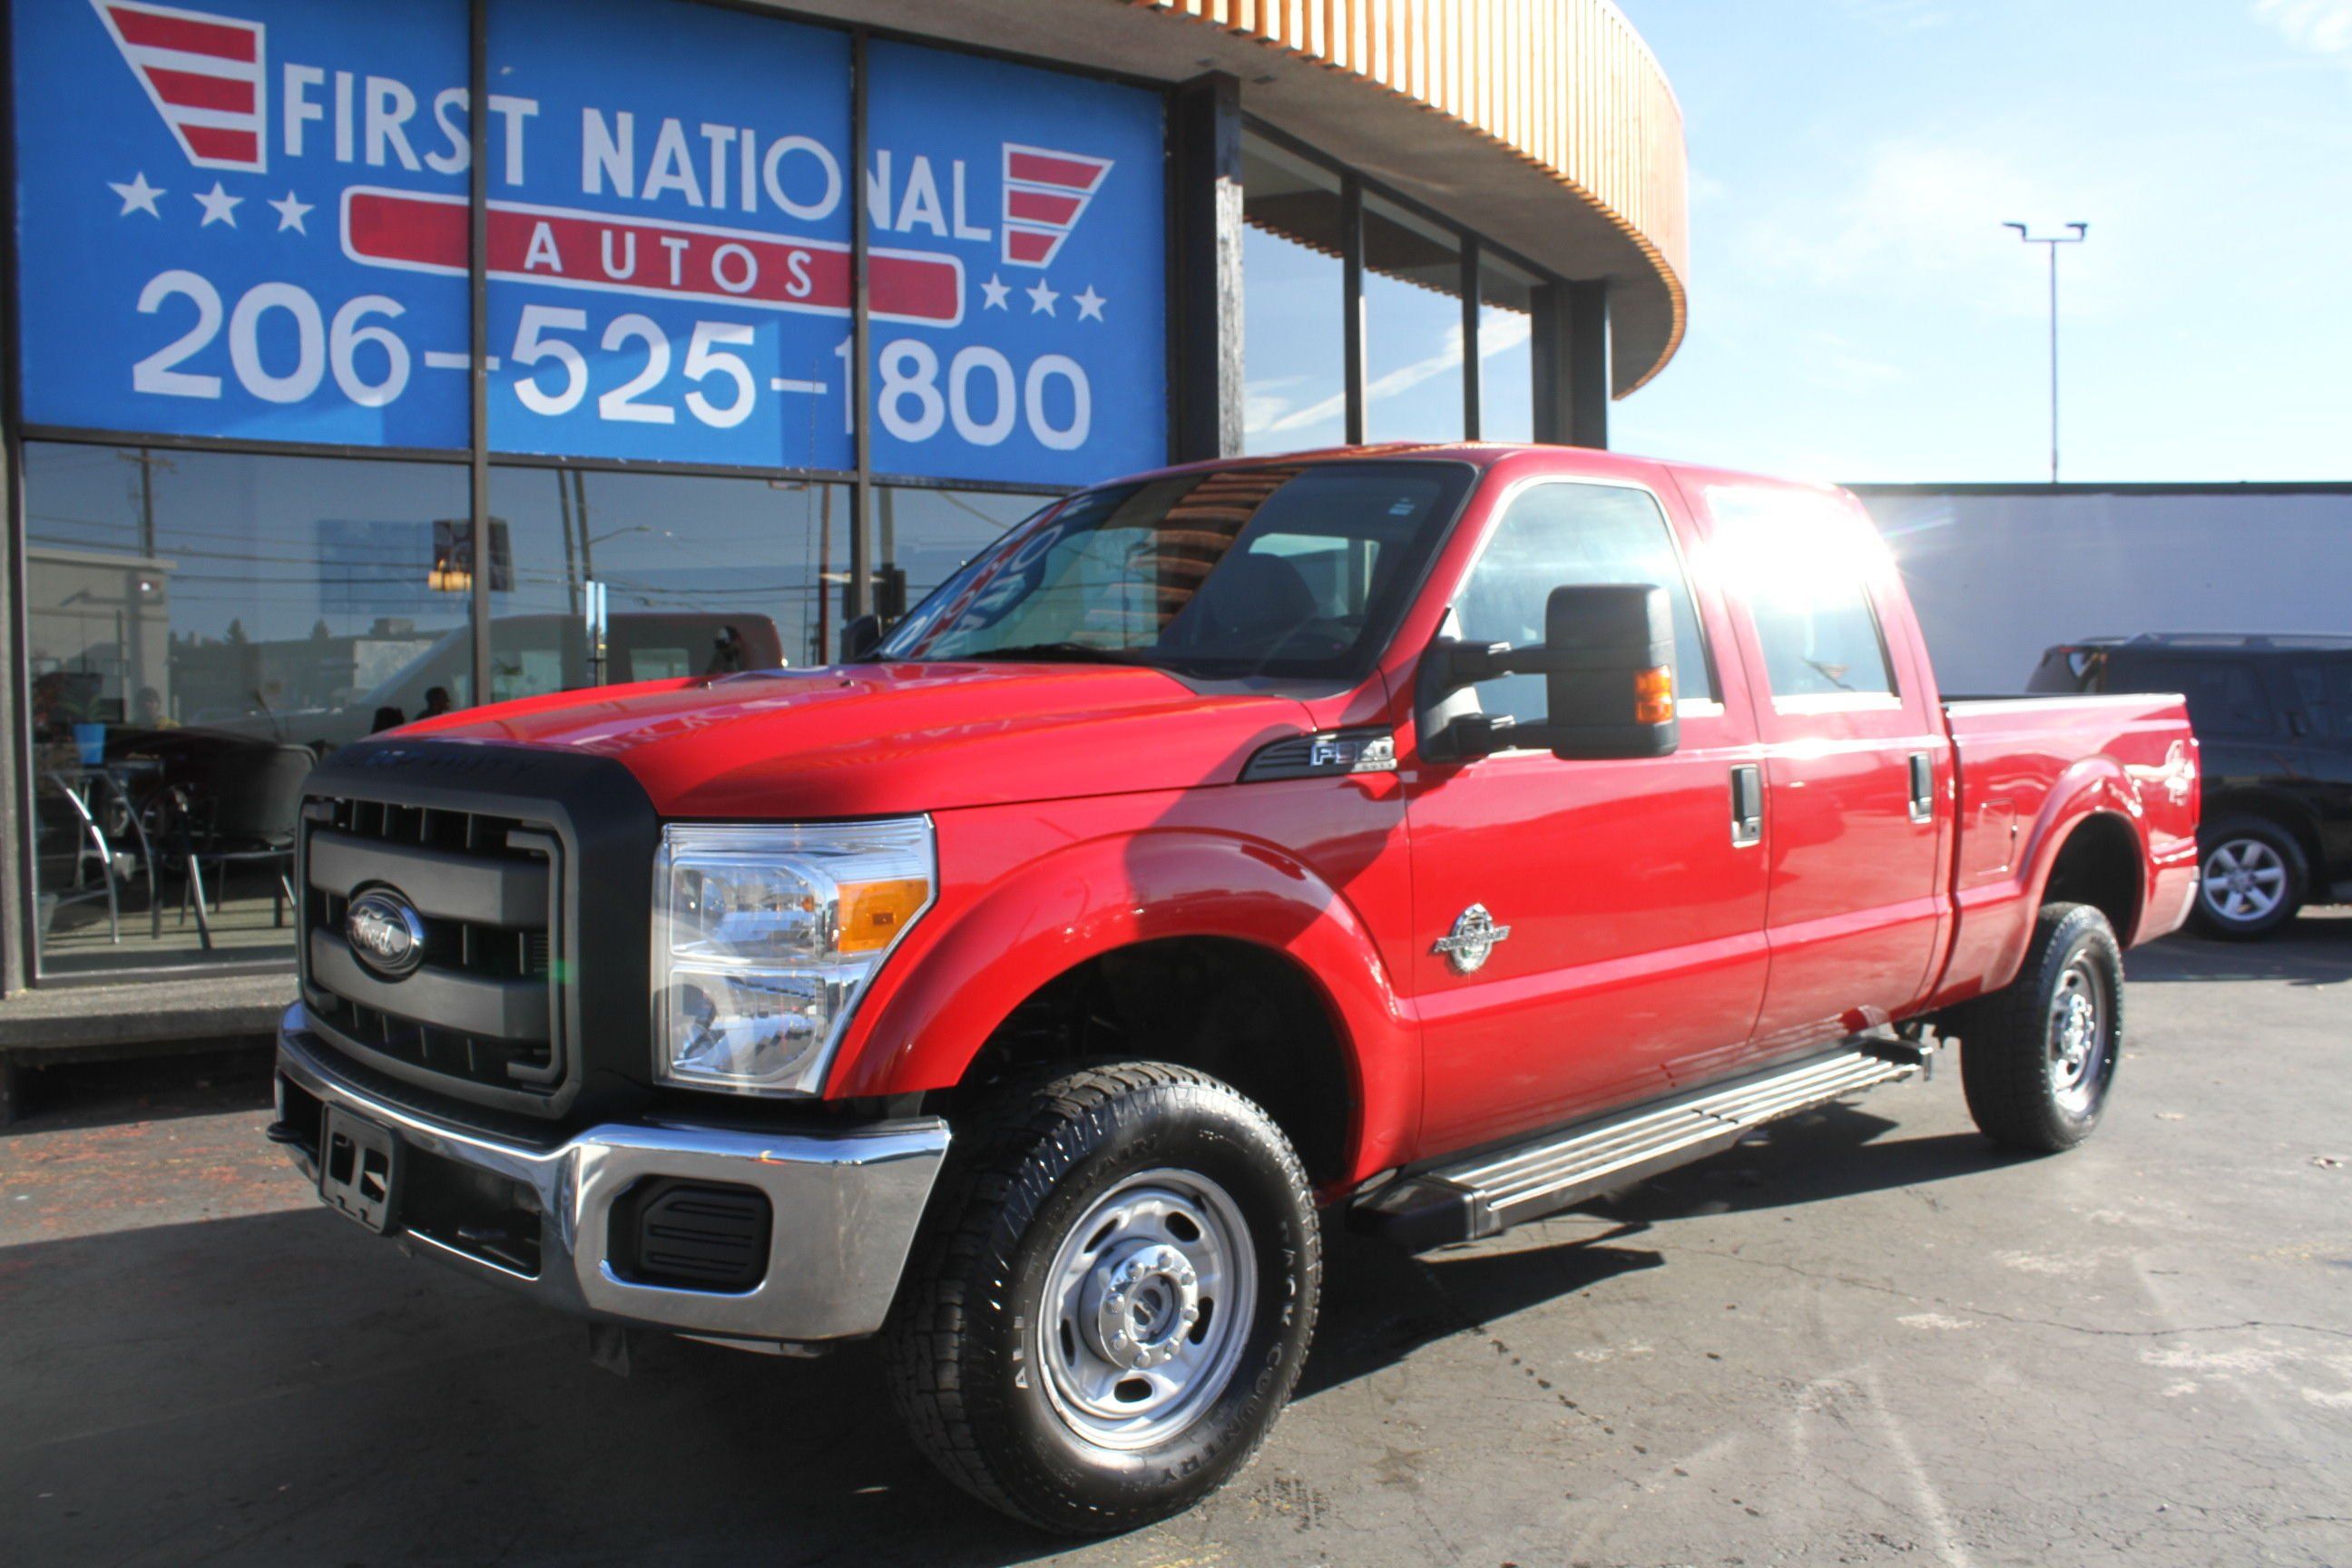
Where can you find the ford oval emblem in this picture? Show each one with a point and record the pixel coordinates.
(386, 933)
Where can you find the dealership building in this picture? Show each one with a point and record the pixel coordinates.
(330, 402)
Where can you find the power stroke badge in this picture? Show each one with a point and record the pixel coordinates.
(1474, 936)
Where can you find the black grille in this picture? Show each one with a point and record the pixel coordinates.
(481, 1005)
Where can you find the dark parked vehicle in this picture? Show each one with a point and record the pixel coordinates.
(2275, 717)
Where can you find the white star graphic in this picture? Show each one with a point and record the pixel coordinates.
(138, 196)
(219, 206)
(996, 288)
(1090, 304)
(1041, 299)
(289, 213)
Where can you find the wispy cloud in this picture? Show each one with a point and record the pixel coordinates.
(1920, 219)
(2316, 26)
(1266, 410)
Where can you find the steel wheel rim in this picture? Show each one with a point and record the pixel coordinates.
(2244, 880)
(1147, 1309)
(2081, 1053)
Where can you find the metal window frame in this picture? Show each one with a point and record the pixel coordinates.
(1474, 249)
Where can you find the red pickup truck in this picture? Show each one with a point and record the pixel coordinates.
(1433, 837)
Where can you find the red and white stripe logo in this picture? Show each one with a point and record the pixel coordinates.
(202, 73)
(1045, 192)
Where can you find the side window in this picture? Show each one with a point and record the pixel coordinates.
(1572, 535)
(2320, 699)
(1799, 563)
(2225, 696)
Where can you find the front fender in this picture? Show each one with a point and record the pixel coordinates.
(925, 1022)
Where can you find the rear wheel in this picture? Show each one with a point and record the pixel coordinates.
(2037, 1058)
(2251, 879)
(1113, 1300)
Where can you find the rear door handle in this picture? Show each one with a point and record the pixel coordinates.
(1923, 787)
(1747, 805)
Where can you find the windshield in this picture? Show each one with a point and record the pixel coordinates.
(1266, 569)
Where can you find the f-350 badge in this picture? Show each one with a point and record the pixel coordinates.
(1474, 936)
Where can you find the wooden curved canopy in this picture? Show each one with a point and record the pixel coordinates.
(1545, 126)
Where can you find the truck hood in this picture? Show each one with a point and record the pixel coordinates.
(874, 739)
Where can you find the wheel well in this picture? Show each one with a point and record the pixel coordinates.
(2099, 865)
(1240, 1013)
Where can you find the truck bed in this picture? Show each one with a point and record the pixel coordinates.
(2029, 768)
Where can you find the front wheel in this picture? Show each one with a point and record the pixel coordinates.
(1113, 1300)
(2037, 1058)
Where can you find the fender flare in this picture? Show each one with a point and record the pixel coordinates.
(927, 1020)
(2093, 787)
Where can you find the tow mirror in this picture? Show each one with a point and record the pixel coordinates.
(1611, 684)
(1607, 659)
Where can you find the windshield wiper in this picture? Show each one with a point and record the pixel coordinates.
(1051, 652)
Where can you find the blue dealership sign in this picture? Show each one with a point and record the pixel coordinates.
(250, 221)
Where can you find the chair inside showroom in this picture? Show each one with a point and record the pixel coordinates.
(80, 821)
(246, 810)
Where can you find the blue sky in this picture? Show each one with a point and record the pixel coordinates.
(1858, 312)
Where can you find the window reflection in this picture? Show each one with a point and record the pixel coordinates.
(1507, 408)
(1413, 328)
(922, 535)
(1294, 381)
(200, 627)
(623, 577)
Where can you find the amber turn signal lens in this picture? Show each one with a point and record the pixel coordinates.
(874, 913)
(1653, 696)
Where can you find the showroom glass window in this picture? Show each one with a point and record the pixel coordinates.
(199, 626)
(1293, 351)
(1506, 410)
(620, 577)
(1413, 327)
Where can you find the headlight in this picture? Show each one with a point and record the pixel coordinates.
(765, 937)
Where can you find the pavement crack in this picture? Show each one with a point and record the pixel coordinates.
(2017, 1319)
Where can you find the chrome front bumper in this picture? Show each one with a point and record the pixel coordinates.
(843, 1207)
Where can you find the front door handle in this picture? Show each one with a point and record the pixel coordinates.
(1923, 787)
(1747, 805)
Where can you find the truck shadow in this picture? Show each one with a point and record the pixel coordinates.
(1818, 1156)
(284, 1387)
(2314, 950)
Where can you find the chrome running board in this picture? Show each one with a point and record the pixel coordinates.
(1496, 1188)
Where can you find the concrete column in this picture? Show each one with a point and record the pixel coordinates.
(1571, 364)
(1204, 258)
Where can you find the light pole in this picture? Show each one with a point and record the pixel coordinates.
(2051, 242)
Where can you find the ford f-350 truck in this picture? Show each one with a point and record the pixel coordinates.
(1434, 837)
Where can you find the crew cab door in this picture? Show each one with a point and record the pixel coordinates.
(1857, 761)
(1634, 910)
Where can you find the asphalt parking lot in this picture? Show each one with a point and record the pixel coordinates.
(1864, 1339)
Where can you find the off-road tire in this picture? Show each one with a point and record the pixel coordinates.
(2010, 1051)
(964, 1359)
(2264, 838)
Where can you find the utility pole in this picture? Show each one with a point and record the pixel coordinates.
(2051, 242)
(132, 636)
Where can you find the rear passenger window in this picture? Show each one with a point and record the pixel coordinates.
(1560, 535)
(1799, 564)
(2225, 696)
(2322, 690)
